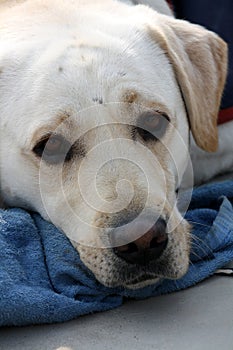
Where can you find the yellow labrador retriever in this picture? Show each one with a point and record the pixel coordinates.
(96, 102)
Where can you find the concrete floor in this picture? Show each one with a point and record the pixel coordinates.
(199, 318)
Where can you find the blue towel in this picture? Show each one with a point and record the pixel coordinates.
(43, 280)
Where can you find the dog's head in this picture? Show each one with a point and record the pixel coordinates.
(96, 103)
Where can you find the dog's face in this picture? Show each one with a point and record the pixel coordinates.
(95, 129)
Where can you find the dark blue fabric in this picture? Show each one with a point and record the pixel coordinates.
(42, 279)
(217, 16)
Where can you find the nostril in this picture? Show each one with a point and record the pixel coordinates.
(158, 241)
(132, 248)
(147, 248)
(157, 248)
(130, 254)
(128, 248)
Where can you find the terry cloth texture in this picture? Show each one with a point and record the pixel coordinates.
(42, 279)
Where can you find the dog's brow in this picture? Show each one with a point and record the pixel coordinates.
(130, 96)
(61, 117)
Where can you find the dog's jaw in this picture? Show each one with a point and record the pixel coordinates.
(114, 272)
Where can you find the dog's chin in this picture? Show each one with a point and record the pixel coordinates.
(142, 282)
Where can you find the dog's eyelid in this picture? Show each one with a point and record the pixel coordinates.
(39, 145)
(60, 149)
(46, 137)
(155, 112)
(42, 138)
(152, 124)
(160, 113)
(48, 151)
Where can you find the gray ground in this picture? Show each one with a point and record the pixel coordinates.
(199, 318)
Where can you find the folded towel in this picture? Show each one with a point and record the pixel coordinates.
(43, 280)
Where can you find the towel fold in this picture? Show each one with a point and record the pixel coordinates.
(43, 280)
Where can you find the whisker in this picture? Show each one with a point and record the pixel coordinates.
(197, 256)
(191, 263)
(198, 223)
(196, 242)
(206, 250)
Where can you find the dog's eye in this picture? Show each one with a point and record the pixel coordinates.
(53, 149)
(152, 125)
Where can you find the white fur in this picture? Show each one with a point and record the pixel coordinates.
(208, 165)
(54, 63)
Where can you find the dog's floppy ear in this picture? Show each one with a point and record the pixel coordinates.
(199, 59)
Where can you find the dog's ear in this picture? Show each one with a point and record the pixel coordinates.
(199, 59)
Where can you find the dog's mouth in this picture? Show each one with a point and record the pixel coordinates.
(142, 281)
(148, 260)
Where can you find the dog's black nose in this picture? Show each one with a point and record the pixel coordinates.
(147, 248)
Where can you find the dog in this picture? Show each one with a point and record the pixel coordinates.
(97, 102)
